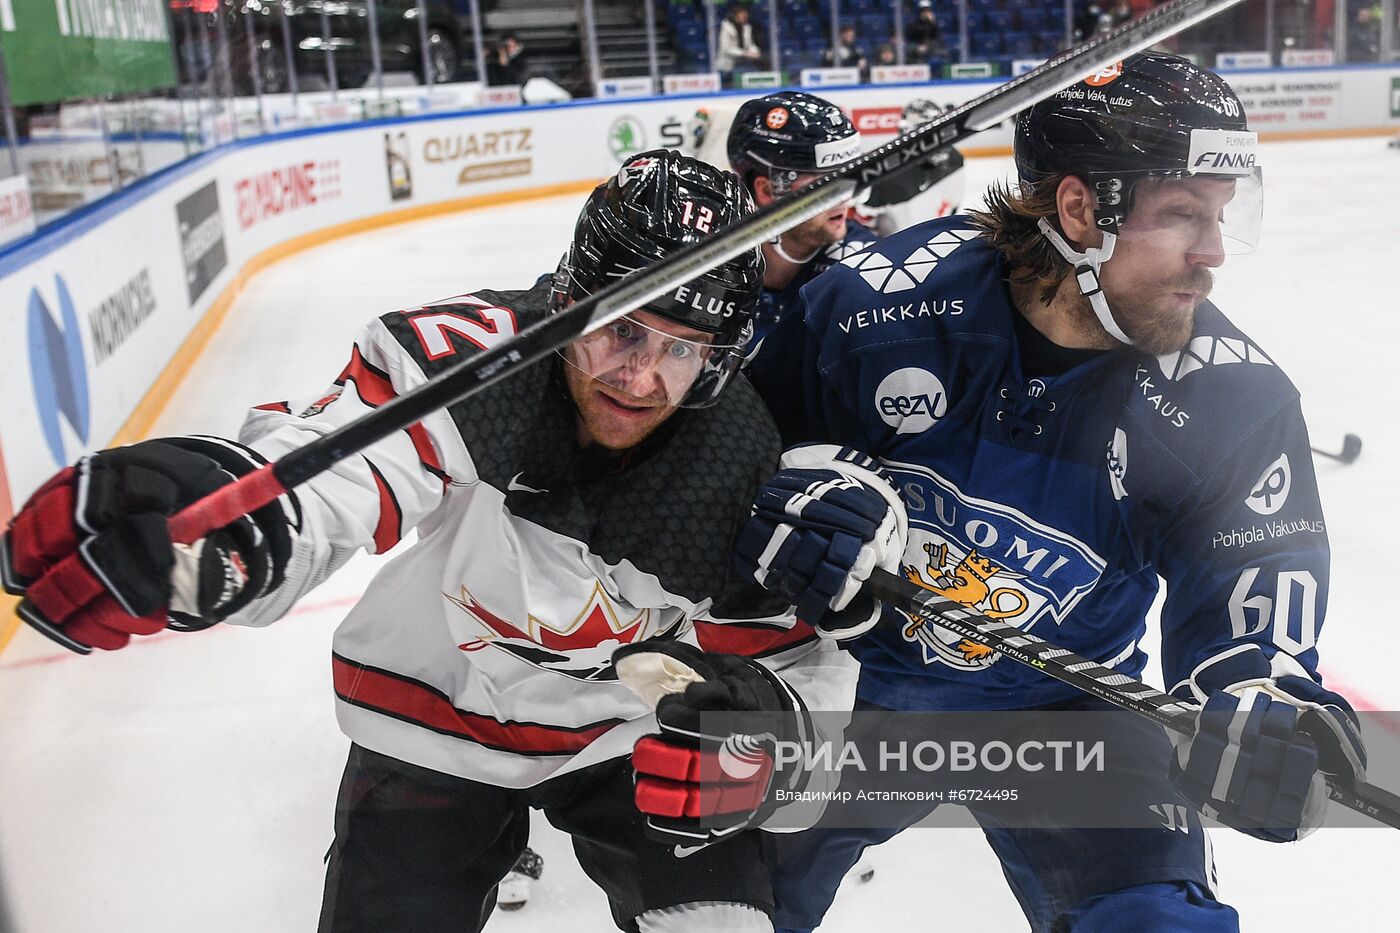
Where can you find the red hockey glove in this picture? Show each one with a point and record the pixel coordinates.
(713, 769)
(92, 553)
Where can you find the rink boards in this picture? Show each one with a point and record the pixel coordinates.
(106, 310)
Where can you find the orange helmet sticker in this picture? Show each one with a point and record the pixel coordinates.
(1105, 75)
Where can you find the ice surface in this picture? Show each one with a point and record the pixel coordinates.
(187, 783)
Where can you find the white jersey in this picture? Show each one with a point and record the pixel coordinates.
(484, 649)
(943, 199)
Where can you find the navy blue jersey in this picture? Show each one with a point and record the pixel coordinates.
(1054, 501)
(774, 303)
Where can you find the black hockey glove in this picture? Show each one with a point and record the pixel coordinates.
(92, 552)
(817, 530)
(911, 182)
(1266, 735)
(715, 767)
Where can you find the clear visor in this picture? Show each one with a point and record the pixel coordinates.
(653, 365)
(1201, 215)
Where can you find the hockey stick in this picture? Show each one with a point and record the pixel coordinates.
(1067, 667)
(544, 337)
(1351, 449)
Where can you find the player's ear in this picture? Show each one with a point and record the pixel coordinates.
(762, 191)
(1074, 201)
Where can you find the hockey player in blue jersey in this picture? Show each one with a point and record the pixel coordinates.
(777, 144)
(1068, 418)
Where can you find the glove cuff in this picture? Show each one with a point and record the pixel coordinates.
(278, 521)
(1244, 669)
(863, 469)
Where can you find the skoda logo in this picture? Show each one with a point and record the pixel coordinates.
(626, 138)
(57, 368)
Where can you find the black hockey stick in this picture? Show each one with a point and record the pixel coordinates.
(1351, 449)
(544, 337)
(1092, 678)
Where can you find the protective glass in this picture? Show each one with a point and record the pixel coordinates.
(651, 364)
(1204, 214)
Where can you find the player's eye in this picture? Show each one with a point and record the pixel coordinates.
(624, 330)
(679, 351)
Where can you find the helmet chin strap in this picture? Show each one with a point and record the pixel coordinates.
(1086, 275)
(777, 244)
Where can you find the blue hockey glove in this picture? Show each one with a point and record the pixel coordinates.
(713, 769)
(1266, 735)
(818, 528)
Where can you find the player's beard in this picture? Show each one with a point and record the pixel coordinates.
(808, 238)
(1164, 321)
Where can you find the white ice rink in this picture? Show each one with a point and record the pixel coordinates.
(187, 783)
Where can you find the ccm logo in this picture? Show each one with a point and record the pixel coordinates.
(877, 121)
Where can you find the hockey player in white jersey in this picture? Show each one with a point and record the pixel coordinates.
(933, 188)
(588, 503)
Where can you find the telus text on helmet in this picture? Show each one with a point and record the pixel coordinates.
(698, 301)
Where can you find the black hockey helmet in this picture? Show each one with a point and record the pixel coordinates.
(1153, 114)
(658, 202)
(788, 134)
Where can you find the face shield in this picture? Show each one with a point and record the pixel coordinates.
(826, 156)
(1212, 210)
(656, 361)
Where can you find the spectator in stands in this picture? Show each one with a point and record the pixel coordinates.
(846, 54)
(884, 56)
(925, 38)
(507, 64)
(1364, 34)
(736, 50)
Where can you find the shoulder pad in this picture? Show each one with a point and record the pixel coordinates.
(1196, 404)
(908, 259)
(441, 333)
(1219, 363)
(930, 279)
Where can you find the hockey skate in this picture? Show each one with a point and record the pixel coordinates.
(514, 890)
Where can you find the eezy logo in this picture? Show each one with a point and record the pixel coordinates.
(911, 400)
(58, 370)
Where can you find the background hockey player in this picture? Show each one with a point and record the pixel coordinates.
(933, 188)
(1068, 417)
(587, 503)
(781, 143)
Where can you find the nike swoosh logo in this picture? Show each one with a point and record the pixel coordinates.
(683, 851)
(515, 484)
